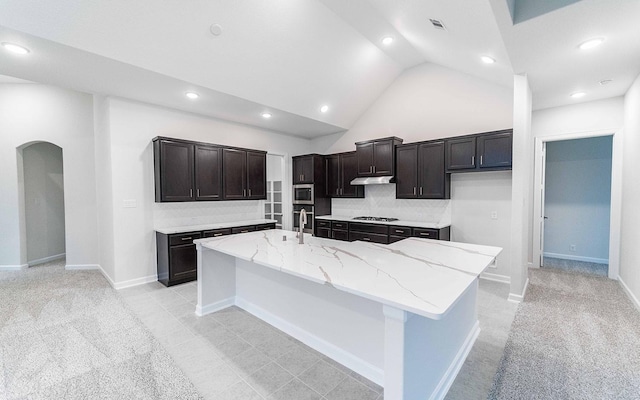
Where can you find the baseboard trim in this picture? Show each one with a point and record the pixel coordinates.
(17, 267)
(517, 298)
(133, 282)
(577, 258)
(454, 368)
(495, 277)
(629, 293)
(347, 359)
(46, 259)
(75, 267)
(213, 307)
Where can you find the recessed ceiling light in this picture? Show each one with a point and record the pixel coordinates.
(324, 108)
(387, 40)
(578, 95)
(266, 115)
(590, 44)
(215, 29)
(14, 48)
(606, 81)
(437, 24)
(192, 95)
(487, 60)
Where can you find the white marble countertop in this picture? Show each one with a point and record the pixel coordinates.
(422, 276)
(218, 225)
(414, 224)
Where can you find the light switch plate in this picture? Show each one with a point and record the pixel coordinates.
(130, 203)
(494, 215)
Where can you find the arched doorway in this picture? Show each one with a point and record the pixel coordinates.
(42, 179)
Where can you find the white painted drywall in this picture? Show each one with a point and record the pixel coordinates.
(475, 196)
(578, 199)
(131, 128)
(430, 102)
(31, 113)
(630, 237)
(44, 201)
(522, 174)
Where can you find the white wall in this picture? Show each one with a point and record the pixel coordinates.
(578, 199)
(44, 201)
(31, 113)
(131, 128)
(430, 102)
(630, 238)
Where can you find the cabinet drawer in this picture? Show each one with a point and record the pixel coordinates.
(340, 235)
(183, 238)
(265, 227)
(323, 223)
(369, 237)
(393, 238)
(323, 232)
(426, 233)
(400, 231)
(216, 232)
(339, 225)
(369, 228)
(243, 229)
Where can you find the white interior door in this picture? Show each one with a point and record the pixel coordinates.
(538, 203)
(541, 216)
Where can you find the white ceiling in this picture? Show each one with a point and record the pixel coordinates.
(289, 57)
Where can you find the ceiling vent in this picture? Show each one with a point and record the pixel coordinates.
(437, 24)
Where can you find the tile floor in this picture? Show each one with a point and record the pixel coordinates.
(234, 355)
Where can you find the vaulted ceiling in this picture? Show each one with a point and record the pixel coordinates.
(290, 57)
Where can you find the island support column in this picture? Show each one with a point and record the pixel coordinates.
(422, 356)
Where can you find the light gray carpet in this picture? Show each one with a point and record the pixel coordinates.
(69, 335)
(576, 266)
(574, 336)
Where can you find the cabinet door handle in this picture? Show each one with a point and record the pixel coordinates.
(480, 159)
(366, 238)
(302, 177)
(337, 191)
(374, 169)
(420, 190)
(425, 234)
(399, 231)
(187, 238)
(244, 192)
(414, 191)
(190, 192)
(473, 160)
(371, 169)
(198, 193)
(245, 231)
(249, 192)
(341, 191)
(217, 234)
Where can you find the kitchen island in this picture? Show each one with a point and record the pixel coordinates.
(402, 315)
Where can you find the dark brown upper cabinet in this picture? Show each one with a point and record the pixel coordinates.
(489, 151)
(244, 174)
(308, 168)
(208, 172)
(195, 171)
(341, 169)
(303, 169)
(461, 154)
(173, 162)
(376, 157)
(495, 150)
(420, 172)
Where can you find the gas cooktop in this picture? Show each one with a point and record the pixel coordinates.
(381, 219)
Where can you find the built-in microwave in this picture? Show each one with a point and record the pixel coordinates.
(303, 194)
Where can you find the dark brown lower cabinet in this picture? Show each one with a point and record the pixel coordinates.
(177, 255)
(376, 233)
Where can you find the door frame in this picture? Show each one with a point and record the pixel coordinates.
(615, 220)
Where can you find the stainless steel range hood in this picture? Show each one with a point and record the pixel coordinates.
(373, 180)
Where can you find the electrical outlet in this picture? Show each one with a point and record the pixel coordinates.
(572, 247)
(494, 215)
(129, 203)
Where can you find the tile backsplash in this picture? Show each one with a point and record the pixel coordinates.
(166, 215)
(380, 201)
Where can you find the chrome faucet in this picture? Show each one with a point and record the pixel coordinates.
(301, 223)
